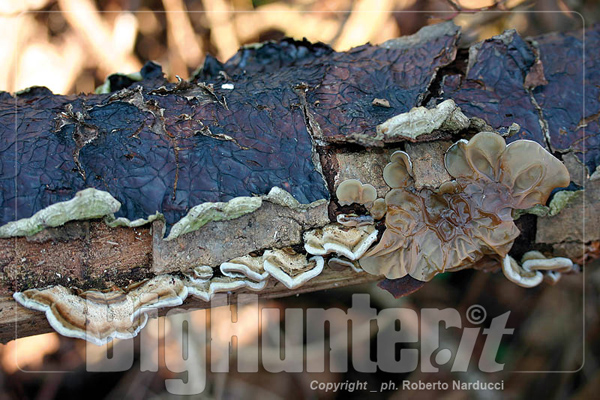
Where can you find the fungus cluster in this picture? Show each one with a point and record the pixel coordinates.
(99, 316)
(468, 218)
(464, 222)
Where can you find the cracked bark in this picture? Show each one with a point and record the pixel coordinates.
(301, 117)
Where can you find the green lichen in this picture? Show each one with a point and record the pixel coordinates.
(563, 199)
(237, 207)
(87, 204)
(285, 199)
(92, 203)
(204, 213)
(538, 209)
(558, 202)
(419, 121)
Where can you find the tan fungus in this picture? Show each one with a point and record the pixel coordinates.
(248, 266)
(291, 268)
(98, 317)
(378, 209)
(430, 231)
(348, 242)
(354, 191)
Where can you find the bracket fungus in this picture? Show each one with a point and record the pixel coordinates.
(100, 316)
(201, 273)
(291, 268)
(534, 268)
(248, 266)
(206, 290)
(351, 243)
(378, 209)
(341, 263)
(431, 231)
(87, 204)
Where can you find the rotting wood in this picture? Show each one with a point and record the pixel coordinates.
(89, 254)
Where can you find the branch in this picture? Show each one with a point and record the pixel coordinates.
(184, 172)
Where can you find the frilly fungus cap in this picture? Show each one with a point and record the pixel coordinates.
(428, 232)
(524, 167)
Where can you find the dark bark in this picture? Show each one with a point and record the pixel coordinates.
(166, 147)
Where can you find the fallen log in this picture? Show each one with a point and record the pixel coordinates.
(106, 192)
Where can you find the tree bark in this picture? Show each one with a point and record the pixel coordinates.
(294, 115)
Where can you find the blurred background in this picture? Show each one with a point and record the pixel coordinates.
(71, 46)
